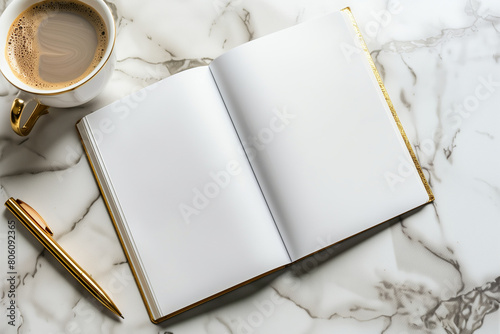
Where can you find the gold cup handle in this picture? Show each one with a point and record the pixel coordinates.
(16, 111)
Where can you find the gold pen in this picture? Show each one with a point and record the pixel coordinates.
(39, 228)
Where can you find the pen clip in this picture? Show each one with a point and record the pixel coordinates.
(35, 216)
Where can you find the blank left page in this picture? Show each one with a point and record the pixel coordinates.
(183, 192)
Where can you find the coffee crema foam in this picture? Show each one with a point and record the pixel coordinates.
(55, 44)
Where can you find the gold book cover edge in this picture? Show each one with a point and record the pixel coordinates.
(108, 208)
(133, 269)
(347, 10)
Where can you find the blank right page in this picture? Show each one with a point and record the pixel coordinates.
(319, 132)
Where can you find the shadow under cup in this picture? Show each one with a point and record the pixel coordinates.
(73, 95)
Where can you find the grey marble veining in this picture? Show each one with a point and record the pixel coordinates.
(436, 271)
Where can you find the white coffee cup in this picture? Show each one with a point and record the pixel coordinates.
(70, 96)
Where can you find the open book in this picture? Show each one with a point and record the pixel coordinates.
(221, 174)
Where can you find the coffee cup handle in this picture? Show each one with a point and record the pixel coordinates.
(19, 106)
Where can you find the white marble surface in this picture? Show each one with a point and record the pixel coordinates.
(437, 271)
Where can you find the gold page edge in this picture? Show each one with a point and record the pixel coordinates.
(347, 10)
